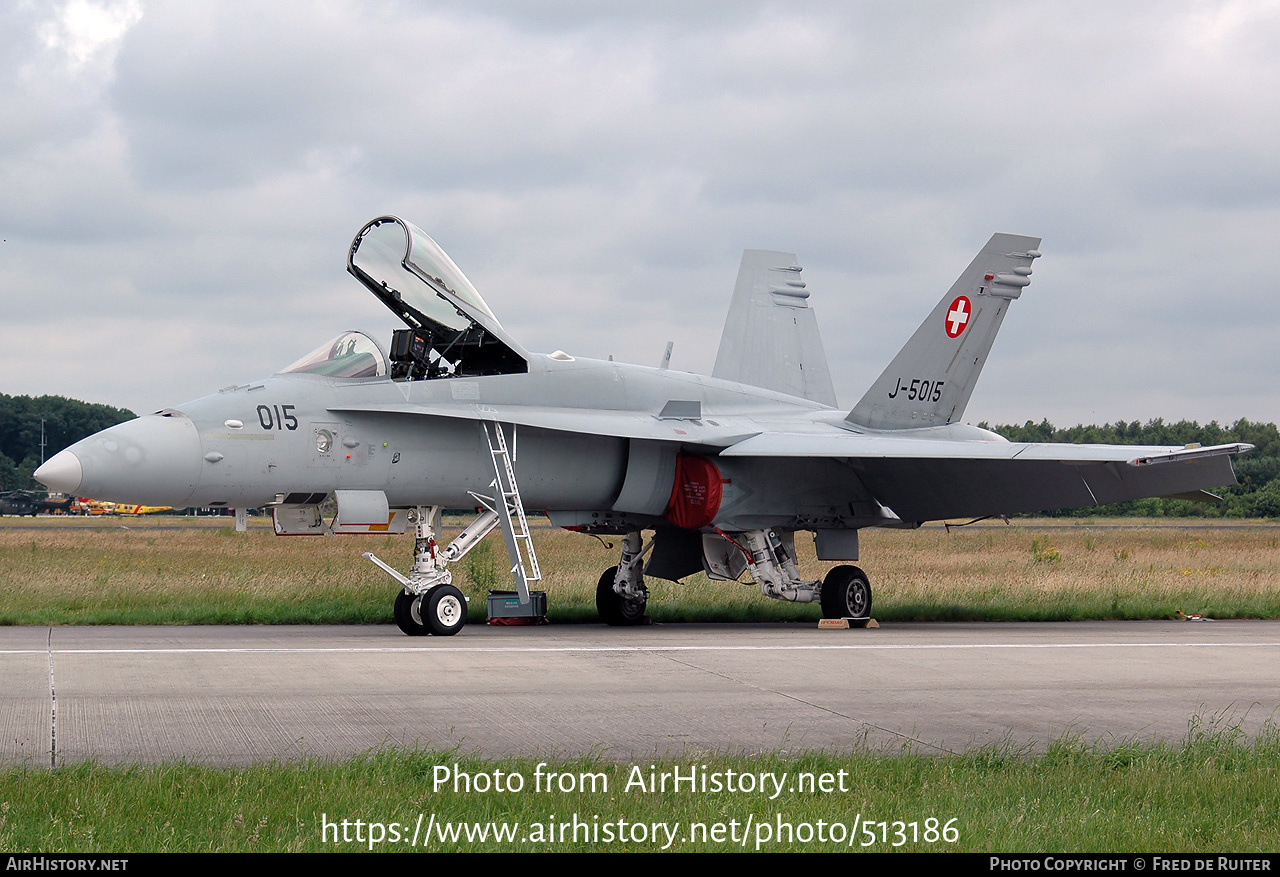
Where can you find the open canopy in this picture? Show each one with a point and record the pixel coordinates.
(411, 275)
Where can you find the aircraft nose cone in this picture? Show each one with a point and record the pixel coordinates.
(62, 472)
(151, 460)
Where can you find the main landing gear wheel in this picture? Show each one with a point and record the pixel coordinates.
(444, 609)
(614, 610)
(846, 593)
(409, 614)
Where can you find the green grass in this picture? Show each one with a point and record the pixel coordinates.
(205, 573)
(1216, 791)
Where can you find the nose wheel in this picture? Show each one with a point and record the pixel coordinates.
(442, 611)
(429, 603)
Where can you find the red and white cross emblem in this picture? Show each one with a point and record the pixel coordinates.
(958, 316)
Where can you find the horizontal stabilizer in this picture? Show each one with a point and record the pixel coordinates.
(770, 337)
(931, 379)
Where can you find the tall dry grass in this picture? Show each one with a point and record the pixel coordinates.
(207, 573)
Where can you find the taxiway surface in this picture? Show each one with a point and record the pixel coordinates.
(234, 695)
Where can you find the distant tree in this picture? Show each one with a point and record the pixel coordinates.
(66, 421)
(1266, 502)
(8, 473)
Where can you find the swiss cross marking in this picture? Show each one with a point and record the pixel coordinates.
(958, 316)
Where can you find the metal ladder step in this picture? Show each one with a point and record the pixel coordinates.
(515, 525)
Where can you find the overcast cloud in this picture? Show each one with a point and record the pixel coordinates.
(180, 182)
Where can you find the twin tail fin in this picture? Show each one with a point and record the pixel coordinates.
(931, 379)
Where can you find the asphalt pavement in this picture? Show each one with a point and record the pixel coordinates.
(236, 695)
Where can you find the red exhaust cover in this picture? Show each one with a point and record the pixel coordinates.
(696, 495)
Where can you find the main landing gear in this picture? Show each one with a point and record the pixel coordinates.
(621, 595)
(769, 555)
(846, 593)
(771, 558)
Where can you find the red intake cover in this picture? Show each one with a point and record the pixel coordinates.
(695, 497)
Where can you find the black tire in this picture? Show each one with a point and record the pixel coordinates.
(409, 614)
(615, 611)
(444, 609)
(846, 593)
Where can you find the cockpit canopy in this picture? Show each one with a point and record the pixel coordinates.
(350, 355)
(451, 329)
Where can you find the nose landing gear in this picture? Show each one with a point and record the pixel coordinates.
(429, 602)
(442, 611)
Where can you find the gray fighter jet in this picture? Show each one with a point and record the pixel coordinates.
(721, 470)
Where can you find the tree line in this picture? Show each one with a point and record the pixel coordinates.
(66, 421)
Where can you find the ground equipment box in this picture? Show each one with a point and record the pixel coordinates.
(505, 608)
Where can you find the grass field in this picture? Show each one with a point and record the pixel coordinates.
(203, 572)
(1216, 792)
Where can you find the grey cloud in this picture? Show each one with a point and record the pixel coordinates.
(597, 169)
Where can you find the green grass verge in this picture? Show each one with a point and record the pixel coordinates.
(1217, 791)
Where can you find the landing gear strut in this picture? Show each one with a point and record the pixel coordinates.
(770, 557)
(429, 602)
(621, 595)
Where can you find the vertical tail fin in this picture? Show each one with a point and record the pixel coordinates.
(931, 379)
(770, 337)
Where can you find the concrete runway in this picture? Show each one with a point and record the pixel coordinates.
(234, 695)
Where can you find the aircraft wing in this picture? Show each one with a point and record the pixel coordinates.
(920, 479)
(928, 479)
(619, 424)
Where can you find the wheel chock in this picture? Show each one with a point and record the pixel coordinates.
(843, 623)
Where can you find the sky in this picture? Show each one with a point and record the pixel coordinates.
(180, 182)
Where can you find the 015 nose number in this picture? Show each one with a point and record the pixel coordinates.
(283, 417)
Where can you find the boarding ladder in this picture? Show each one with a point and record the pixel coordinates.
(515, 526)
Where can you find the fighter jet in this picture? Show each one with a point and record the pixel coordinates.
(696, 473)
